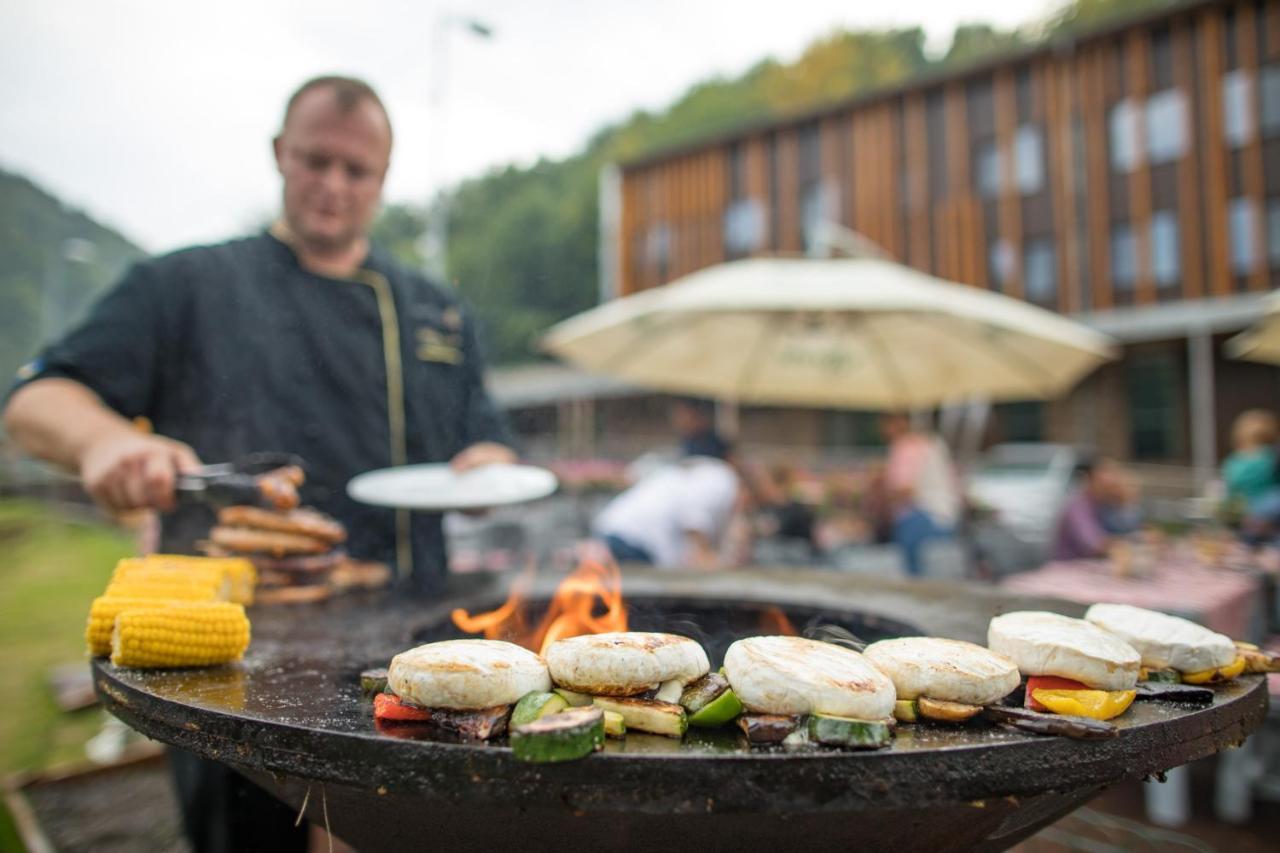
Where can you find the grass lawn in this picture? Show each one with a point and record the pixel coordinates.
(51, 568)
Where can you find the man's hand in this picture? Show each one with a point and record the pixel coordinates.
(483, 453)
(127, 470)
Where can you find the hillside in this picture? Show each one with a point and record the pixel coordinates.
(53, 261)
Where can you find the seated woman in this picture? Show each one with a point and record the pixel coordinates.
(1250, 472)
(1081, 532)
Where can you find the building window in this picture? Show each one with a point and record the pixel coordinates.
(1001, 262)
(819, 205)
(1240, 228)
(1040, 263)
(986, 168)
(1122, 131)
(1166, 126)
(1165, 259)
(1028, 159)
(1270, 84)
(657, 247)
(1021, 421)
(1124, 257)
(743, 227)
(1237, 107)
(1154, 419)
(1273, 232)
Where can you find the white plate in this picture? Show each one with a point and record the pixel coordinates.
(439, 487)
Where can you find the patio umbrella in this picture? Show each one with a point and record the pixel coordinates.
(1262, 342)
(858, 333)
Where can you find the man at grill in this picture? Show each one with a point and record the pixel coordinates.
(303, 339)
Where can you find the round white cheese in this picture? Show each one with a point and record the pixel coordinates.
(949, 670)
(792, 675)
(466, 674)
(1042, 643)
(1164, 641)
(624, 663)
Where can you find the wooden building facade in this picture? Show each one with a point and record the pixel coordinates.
(1130, 177)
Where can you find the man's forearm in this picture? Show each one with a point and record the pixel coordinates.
(56, 419)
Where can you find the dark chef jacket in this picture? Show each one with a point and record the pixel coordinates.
(235, 348)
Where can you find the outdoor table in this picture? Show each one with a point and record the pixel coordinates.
(1226, 600)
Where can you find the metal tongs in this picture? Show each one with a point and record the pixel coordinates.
(259, 479)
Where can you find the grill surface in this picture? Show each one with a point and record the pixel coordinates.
(292, 716)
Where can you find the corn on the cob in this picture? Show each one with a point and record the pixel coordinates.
(151, 571)
(176, 634)
(241, 575)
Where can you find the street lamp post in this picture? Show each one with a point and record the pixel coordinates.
(435, 240)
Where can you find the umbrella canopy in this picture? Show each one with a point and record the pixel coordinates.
(1262, 342)
(858, 333)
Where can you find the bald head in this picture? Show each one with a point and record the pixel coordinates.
(346, 94)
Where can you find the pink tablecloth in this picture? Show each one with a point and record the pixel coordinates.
(1226, 601)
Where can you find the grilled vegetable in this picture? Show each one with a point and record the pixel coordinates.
(1257, 660)
(483, 724)
(703, 692)
(669, 691)
(946, 712)
(614, 725)
(719, 711)
(390, 708)
(373, 681)
(1175, 692)
(647, 715)
(175, 634)
(906, 711)
(762, 729)
(847, 733)
(570, 734)
(1024, 719)
(1214, 676)
(534, 706)
(1072, 698)
(574, 700)
(1162, 676)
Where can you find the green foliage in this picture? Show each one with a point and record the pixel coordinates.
(48, 276)
(1080, 15)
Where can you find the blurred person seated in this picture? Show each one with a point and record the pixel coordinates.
(676, 515)
(920, 488)
(1121, 513)
(1250, 475)
(1081, 533)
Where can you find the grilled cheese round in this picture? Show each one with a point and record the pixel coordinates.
(794, 676)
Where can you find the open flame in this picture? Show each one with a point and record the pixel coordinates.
(574, 609)
(774, 622)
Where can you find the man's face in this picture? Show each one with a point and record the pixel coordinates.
(333, 163)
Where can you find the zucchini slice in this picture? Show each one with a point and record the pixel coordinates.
(647, 715)
(849, 734)
(703, 692)
(373, 682)
(575, 700)
(570, 734)
(614, 725)
(763, 729)
(946, 712)
(906, 711)
(534, 706)
(725, 707)
(1164, 676)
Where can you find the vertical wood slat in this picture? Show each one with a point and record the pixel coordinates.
(956, 151)
(1058, 151)
(626, 231)
(1009, 205)
(1092, 107)
(718, 202)
(788, 189)
(1189, 213)
(1251, 156)
(892, 171)
(1138, 76)
(919, 236)
(1272, 30)
(1215, 153)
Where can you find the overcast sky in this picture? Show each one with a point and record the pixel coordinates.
(156, 116)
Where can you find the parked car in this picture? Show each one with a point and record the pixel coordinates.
(1019, 490)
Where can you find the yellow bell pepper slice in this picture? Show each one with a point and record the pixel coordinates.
(1212, 676)
(1097, 704)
